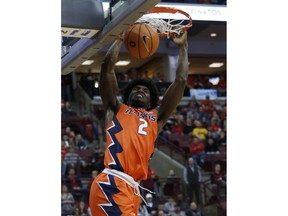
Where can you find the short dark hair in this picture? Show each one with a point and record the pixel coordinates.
(154, 94)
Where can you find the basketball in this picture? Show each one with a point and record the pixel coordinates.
(141, 40)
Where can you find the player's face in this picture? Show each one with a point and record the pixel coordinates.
(140, 97)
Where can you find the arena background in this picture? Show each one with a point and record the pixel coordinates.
(33, 72)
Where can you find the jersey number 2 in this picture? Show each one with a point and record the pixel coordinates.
(142, 126)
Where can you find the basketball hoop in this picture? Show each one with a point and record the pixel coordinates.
(165, 23)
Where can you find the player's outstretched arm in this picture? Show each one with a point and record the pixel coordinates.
(174, 93)
(108, 86)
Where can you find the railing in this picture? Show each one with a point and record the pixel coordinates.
(206, 190)
(174, 151)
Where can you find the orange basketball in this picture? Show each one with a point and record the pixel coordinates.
(141, 40)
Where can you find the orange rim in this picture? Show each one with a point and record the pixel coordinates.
(173, 11)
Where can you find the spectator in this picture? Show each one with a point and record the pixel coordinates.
(67, 201)
(218, 180)
(169, 206)
(199, 131)
(222, 140)
(132, 74)
(192, 177)
(177, 127)
(75, 185)
(188, 126)
(80, 142)
(63, 168)
(64, 149)
(152, 182)
(172, 185)
(193, 108)
(151, 204)
(178, 212)
(193, 210)
(94, 173)
(217, 105)
(66, 140)
(197, 150)
(143, 211)
(211, 147)
(66, 87)
(160, 210)
(72, 158)
(97, 159)
(182, 202)
(207, 107)
(214, 129)
(87, 128)
(83, 208)
(67, 111)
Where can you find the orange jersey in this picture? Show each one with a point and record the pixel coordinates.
(130, 138)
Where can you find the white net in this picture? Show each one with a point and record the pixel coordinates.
(165, 26)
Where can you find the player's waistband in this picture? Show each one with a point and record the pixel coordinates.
(128, 179)
(125, 177)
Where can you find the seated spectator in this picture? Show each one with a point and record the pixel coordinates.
(75, 185)
(217, 106)
(166, 131)
(66, 140)
(183, 202)
(178, 212)
(94, 173)
(83, 208)
(197, 150)
(67, 201)
(87, 128)
(63, 168)
(152, 182)
(80, 142)
(64, 149)
(177, 127)
(214, 129)
(72, 158)
(172, 185)
(218, 180)
(67, 110)
(151, 204)
(193, 210)
(222, 140)
(169, 206)
(97, 159)
(207, 107)
(211, 147)
(160, 210)
(188, 126)
(142, 210)
(199, 131)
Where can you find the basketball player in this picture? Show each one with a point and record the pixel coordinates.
(131, 130)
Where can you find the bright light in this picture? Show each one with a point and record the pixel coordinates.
(88, 62)
(214, 80)
(213, 35)
(96, 84)
(216, 64)
(122, 63)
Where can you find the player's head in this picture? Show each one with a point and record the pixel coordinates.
(141, 93)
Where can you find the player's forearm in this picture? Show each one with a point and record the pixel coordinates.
(111, 56)
(183, 66)
(107, 74)
(108, 83)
